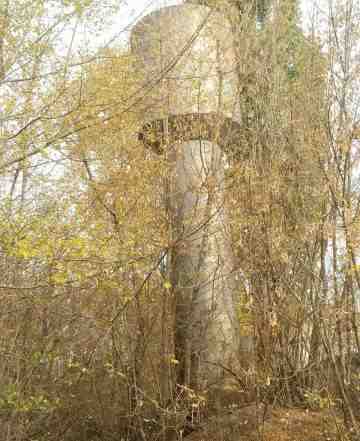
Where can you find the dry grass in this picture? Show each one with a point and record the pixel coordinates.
(250, 424)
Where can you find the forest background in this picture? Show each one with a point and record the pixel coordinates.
(86, 304)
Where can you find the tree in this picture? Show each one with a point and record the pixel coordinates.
(279, 210)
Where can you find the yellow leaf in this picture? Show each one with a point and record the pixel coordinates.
(167, 285)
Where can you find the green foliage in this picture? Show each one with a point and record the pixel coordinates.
(317, 401)
(12, 400)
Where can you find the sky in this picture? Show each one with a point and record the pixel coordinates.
(135, 7)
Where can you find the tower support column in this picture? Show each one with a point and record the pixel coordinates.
(201, 264)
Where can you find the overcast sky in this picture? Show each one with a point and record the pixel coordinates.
(135, 7)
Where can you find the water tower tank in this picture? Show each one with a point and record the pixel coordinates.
(185, 57)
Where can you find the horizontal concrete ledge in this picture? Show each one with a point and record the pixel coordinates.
(160, 133)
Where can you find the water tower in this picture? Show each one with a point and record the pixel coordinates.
(185, 56)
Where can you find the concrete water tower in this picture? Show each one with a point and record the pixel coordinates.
(185, 56)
